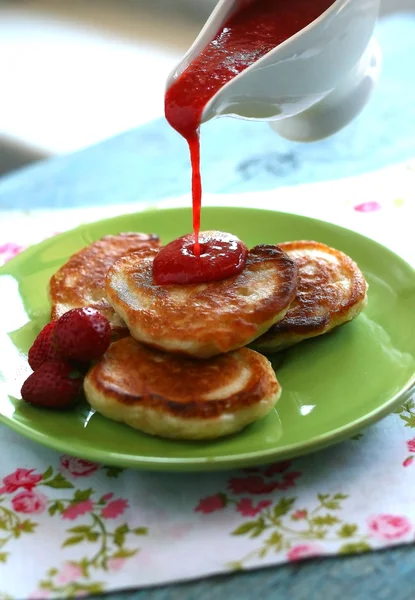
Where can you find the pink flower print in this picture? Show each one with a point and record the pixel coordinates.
(39, 595)
(276, 468)
(254, 484)
(69, 573)
(21, 478)
(211, 504)
(247, 509)
(408, 461)
(29, 502)
(303, 551)
(367, 207)
(390, 527)
(78, 467)
(178, 531)
(9, 250)
(411, 445)
(77, 510)
(288, 480)
(299, 514)
(107, 497)
(116, 564)
(114, 509)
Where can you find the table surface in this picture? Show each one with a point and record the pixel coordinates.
(151, 163)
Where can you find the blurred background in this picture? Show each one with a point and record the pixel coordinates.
(75, 72)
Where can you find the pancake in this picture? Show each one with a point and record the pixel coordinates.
(202, 319)
(81, 280)
(331, 291)
(181, 398)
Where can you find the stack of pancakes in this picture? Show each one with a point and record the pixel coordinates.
(180, 367)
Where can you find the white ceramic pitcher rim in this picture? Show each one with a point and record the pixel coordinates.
(177, 71)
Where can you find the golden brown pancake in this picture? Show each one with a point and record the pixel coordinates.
(183, 398)
(202, 320)
(81, 280)
(331, 291)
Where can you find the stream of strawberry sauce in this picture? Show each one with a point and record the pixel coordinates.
(254, 28)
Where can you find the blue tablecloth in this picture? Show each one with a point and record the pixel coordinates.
(152, 163)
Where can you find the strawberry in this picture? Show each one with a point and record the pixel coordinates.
(54, 384)
(82, 334)
(44, 348)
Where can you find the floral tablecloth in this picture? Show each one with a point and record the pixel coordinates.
(69, 527)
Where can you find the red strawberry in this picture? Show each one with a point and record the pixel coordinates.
(82, 334)
(44, 348)
(53, 385)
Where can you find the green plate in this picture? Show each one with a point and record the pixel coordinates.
(333, 386)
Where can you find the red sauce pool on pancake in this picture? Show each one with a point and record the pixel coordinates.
(221, 255)
(255, 28)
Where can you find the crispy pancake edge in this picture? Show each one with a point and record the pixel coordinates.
(63, 296)
(294, 329)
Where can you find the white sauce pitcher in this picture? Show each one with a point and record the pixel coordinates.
(311, 85)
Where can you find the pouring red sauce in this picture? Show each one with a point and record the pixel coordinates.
(255, 28)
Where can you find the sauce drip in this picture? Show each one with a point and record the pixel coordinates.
(221, 255)
(255, 28)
